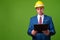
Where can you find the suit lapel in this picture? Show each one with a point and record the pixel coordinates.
(36, 20)
(44, 19)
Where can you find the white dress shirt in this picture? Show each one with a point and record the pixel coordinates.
(38, 17)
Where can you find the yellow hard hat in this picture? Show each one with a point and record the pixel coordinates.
(39, 4)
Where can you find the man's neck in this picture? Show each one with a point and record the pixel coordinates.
(40, 14)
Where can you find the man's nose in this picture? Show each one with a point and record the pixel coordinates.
(39, 9)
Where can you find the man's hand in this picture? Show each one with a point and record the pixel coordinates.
(46, 32)
(33, 32)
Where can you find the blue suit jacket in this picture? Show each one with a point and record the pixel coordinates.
(46, 20)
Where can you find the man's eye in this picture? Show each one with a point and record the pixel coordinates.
(38, 9)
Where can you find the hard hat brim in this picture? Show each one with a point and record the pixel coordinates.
(39, 6)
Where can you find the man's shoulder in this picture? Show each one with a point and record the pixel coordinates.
(33, 17)
(48, 16)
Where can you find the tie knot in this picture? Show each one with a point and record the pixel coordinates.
(40, 17)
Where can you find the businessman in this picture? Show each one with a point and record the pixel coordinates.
(41, 18)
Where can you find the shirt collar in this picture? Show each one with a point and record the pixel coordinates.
(40, 15)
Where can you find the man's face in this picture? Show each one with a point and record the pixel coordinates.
(40, 10)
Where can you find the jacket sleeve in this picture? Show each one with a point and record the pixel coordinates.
(51, 25)
(31, 27)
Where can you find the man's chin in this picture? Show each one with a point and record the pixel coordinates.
(40, 14)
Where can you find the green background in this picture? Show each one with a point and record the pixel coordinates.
(15, 16)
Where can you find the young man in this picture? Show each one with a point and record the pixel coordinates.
(40, 18)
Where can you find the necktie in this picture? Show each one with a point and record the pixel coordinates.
(40, 20)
